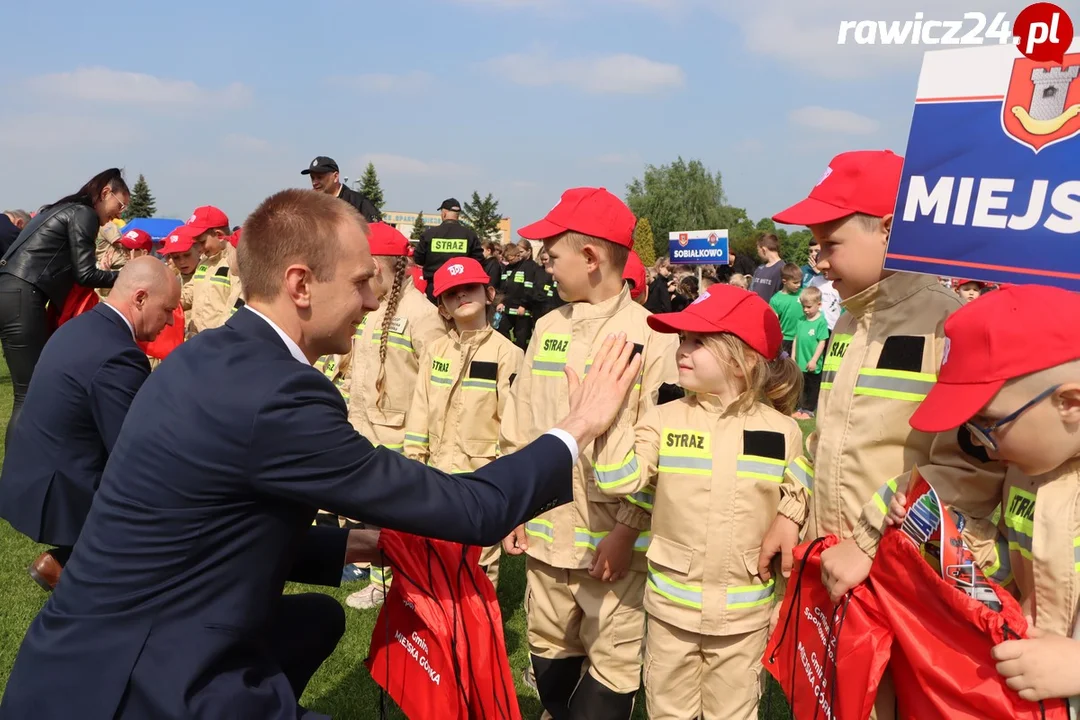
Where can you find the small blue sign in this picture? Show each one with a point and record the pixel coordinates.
(698, 247)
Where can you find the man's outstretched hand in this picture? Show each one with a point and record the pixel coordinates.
(595, 401)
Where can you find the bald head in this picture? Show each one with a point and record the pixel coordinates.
(146, 292)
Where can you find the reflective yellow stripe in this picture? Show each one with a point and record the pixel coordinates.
(440, 372)
(543, 529)
(610, 476)
(396, 340)
(894, 384)
(221, 280)
(415, 439)
(1019, 523)
(676, 592)
(644, 499)
(739, 598)
(1000, 571)
(479, 384)
(884, 495)
(1076, 553)
(686, 452)
(803, 472)
(757, 467)
(550, 358)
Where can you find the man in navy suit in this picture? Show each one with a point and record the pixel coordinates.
(84, 383)
(171, 605)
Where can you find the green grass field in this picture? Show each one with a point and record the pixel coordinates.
(342, 688)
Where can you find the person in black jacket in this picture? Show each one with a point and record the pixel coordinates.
(325, 179)
(446, 240)
(523, 294)
(51, 254)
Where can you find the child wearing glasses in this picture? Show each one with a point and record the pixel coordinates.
(1012, 378)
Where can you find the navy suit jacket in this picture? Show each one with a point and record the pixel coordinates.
(206, 509)
(80, 393)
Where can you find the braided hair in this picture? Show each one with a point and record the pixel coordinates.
(401, 277)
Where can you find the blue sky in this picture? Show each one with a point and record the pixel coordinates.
(225, 102)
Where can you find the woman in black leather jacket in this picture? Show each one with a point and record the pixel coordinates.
(51, 254)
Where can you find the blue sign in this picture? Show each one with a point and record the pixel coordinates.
(991, 182)
(698, 247)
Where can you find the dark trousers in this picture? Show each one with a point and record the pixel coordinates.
(811, 390)
(23, 334)
(523, 327)
(304, 633)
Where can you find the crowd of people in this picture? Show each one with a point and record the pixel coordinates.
(663, 558)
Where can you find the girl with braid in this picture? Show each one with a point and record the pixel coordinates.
(385, 363)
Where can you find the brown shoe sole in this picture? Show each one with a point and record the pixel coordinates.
(41, 581)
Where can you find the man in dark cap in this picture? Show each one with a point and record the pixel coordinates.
(444, 241)
(325, 179)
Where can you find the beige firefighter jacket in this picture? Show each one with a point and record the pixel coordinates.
(883, 358)
(381, 417)
(337, 369)
(460, 397)
(210, 291)
(1041, 518)
(712, 478)
(569, 336)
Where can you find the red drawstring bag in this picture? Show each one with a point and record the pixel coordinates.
(438, 648)
(79, 299)
(941, 666)
(170, 337)
(828, 659)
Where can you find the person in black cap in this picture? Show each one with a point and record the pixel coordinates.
(325, 179)
(444, 241)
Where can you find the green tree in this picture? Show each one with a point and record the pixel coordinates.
(795, 247)
(482, 215)
(142, 203)
(369, 186)
(644, 242)
(420, 226)
(681, 196)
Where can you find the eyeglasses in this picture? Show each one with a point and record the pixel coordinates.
(985, 435)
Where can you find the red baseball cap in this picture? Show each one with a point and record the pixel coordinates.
(861, 181)
(727, 309)
(387, 240)
(635, 273)
(206, 218)
(136, 239)
(234, 239)
(1002, 335)
(589, 211)
(180, 240)
(459, 271)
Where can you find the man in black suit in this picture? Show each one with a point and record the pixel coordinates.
(82, 387)
(171, 605)
(325, 178)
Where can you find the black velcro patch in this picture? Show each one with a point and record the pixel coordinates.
(222, 271)
(638, 348)
(902, 352)
(668, 393)
(239, 303)
(969, 446)
(513, 377)
(484, 370)
(764, 443)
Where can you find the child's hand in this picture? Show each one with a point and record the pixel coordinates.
(1044, 666)
(897, 510)
(843, 566)
(613, 554)
(516, 542)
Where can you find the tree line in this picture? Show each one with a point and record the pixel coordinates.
(676, 197)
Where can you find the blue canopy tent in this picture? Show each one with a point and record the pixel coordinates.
(158, 228)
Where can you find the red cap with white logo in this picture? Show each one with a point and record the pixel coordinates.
(727, 309)
(136, 239)
(861, 181)
(1002, 335)
(589, 211)
(206, 218)
(459, 271)
(179, 240)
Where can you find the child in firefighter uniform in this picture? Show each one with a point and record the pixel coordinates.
(711, 466)
(386, 354)
(1012, 377)
(465, 380)
(586, 560)
(211, 287)
(882, 359)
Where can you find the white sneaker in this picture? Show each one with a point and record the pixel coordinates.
(370, 597)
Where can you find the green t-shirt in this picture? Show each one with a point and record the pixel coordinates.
(789, 309)
(807, 336)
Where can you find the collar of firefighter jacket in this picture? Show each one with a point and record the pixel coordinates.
(470, 337)
(893, 289)
(713, 403)
(213, 259)
(586, 311)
